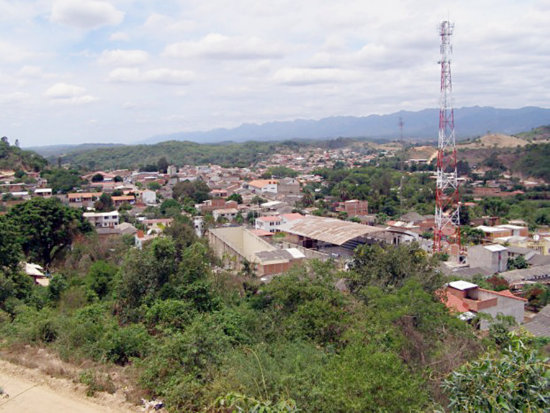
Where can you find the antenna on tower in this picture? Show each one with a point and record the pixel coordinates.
(447, 197)
(400, 123)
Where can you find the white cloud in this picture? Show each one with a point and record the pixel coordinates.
(217, 46)
(11, 52)
(85, 14)
(67, 93)
(297, 76)
(160, 75)
(119, 37)
(123, 57)
(160, 23)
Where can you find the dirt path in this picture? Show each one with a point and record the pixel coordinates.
(31, 391)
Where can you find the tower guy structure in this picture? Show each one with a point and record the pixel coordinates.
(447, 197)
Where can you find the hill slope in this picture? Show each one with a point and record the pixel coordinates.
(14, 158)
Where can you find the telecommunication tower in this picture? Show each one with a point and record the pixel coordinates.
(447, 197)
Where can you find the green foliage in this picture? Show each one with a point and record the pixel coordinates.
(390, 267)
(104, 203)
(13, 158)
(45, 227)
(534, 161)
(365, 379)
(63, 180)
(196, 191)
(100, 277)
(517, 263)
(98, 178)
(154, 186)
(10, 248)
(235, 197)
(538, 295)
(513, 380)
(170, 207)
(279, 172)
(162, 165)
(240, 403)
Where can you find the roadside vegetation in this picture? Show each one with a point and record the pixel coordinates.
(201, 339)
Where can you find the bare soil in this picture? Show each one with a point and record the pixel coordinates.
(36, 381)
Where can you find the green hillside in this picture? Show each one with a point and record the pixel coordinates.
(179, 153)
(14, 158)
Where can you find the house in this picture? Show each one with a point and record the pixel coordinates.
(516, 230)
(288, 186)
(272, 223)
(123, 199)
(226, 213)
(262, 186)
(43, 192)
(217, 203)
(353, 207)
(149, 197)
(218, 193)
(491, 233)
(468, 299)
(37, 273)
(103, 219)
(494, 257)
(83, 199)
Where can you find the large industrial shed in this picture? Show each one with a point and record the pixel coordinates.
(237, 245)
(331, 235)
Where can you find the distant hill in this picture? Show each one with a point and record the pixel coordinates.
(179, 153)
(470, 122)
(53, 151)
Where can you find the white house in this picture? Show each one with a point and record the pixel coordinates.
(149, 197)
(103, 219)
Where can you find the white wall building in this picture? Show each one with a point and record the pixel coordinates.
(103, 219)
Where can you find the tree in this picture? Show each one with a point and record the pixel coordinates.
(512, 380)
(10, 248)
(196, 191)
(154, 186)
(104, 203)
(162, 165)
(235, 197)
(170, 207)
(98, 178)
(118, 178)
(45, 227)
(390, 267)
(517, 263)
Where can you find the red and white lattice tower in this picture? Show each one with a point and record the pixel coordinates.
(447, 197)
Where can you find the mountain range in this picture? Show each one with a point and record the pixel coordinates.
(469, 122)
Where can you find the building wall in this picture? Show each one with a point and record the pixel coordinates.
(479, 256)
(505, 306)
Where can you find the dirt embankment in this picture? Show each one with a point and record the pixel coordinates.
(52, 386)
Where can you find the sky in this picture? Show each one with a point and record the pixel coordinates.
(75, 71)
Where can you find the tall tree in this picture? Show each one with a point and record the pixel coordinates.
(45, 227)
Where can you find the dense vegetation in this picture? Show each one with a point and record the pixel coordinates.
(534, 162)
(14, 158)
(200, 338)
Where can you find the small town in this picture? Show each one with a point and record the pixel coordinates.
(275, 207)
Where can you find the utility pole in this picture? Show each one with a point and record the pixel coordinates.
(447, 197)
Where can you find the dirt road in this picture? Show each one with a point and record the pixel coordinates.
(31, 391)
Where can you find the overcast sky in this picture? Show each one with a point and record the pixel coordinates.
(76, 71)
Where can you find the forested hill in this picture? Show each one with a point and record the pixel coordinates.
(14, 158)
(179, 153)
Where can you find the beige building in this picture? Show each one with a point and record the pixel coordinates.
(237, 246)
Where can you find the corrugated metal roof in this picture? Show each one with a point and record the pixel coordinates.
(330, 230)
